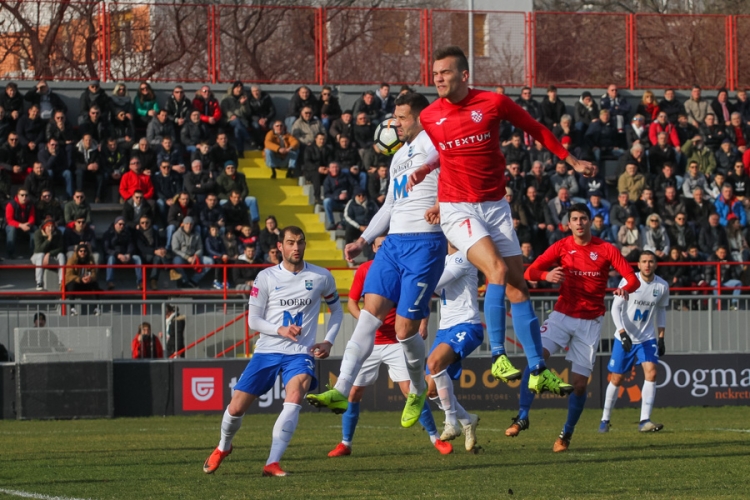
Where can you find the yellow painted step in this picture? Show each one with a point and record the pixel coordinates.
(344, 278)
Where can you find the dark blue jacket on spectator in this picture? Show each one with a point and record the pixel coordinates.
(166, 186)
(122, 242)
(209, 216)
(214, 247)
(29, 130)
(601, 135)
(174, 157)
(333, 186)
(57, 163)
(617, 106)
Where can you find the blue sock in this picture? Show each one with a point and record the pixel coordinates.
(427, 421)
(494, 316)
(527, 397)
(575, 408)
(349, 421)
(526, 325)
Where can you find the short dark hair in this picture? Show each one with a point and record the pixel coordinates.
(292, 230)
(453, 51)
(385, 84)
(581, 208)
(648, 252)
(417, 102)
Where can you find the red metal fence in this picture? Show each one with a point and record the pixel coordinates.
(64, 40)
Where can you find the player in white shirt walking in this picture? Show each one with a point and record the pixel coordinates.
(405, 270)
(284, 306)
(459, 333)
(636, 340)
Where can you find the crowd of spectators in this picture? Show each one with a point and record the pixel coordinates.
(671, 176)
(676, 178)
(171, 165)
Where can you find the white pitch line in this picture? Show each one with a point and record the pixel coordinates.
(731, 430)
(25, 494)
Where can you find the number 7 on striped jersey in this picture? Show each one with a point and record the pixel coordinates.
(467, 223)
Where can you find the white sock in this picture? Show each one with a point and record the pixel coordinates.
(415, 353)
(609, 400)
(461, 413)
(229, 427)
(437, 402)
(358, 349)
(648, 394)
(433, 438)
(283, 431)
(444, 386)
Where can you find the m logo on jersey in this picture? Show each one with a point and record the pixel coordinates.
(202, 389)
(308, 285)
(476, 116)
(399, 187)
(594, 255)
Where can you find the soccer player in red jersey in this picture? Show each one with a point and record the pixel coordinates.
(464, 125)
(386, 351)
(581, 265)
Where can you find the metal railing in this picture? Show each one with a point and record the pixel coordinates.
(113, 41)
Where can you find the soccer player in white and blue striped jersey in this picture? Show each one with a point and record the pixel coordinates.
(284, 306)
(636, 341)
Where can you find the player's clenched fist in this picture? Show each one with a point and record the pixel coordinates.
(290, 332)
(322, 350)
(353, 249)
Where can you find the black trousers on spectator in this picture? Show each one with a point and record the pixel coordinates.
(317, 180)
(92, 286)
(98, 176)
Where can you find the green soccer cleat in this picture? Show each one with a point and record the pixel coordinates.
(547, 381)
(413, 409)
(503, 369)
(331, 399)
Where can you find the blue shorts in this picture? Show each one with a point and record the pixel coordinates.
(463, 339)
(262, 370)
(406, 271)
(621, 361)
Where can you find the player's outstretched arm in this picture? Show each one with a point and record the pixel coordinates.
(585, 168)
(537, 271)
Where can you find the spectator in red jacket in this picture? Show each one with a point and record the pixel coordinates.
(661, 124)
(19, 217)
(209, 108)
(135, 180)
(146, 345)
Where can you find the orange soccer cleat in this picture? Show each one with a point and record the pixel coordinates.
(562, 442)
(341, 450)
(273, 469)
(214, 460)
(443, 447)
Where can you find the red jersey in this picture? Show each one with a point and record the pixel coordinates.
(467, 137)
(586, 271)
(386, 334)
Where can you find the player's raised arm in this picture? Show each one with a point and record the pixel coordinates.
(431, 164)
(519, 118)
(539, 269)
(377, 227)
(626, 271)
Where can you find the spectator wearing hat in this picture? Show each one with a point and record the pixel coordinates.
(342, 126)
(94, 95)
(20, 217)
(48, 247)
(586, 111)
(134, 180)
(337, 191)
(281, 150)
(263, 112)
(150, 249)
(119, 248)
(81, 279)
(727, 203)
(236, 112)
(231, 180)
(637, 131)
(188, 249)
(552, 109)
(631, 181)
(358, 213)
(726, 157)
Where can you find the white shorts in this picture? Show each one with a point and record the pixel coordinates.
(580, 336)
(390, 354)
(466, 223)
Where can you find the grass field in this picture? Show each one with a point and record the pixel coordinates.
(701, 453)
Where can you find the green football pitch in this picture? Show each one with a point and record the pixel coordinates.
(701, 453)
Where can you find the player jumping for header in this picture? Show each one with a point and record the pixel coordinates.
(581, 265)
(284, 306)
(464, 124)
(635, 340)
(405, 270)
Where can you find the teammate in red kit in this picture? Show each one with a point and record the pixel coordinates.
(581, 265)
(464, 125)
(386, 351)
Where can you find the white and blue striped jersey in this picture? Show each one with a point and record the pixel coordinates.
(458, 292)
(402, 210)
(644, 310)
(282, 298)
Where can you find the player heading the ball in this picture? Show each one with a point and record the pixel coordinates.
(284, 306)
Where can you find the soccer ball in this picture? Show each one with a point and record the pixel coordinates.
(386, 138)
